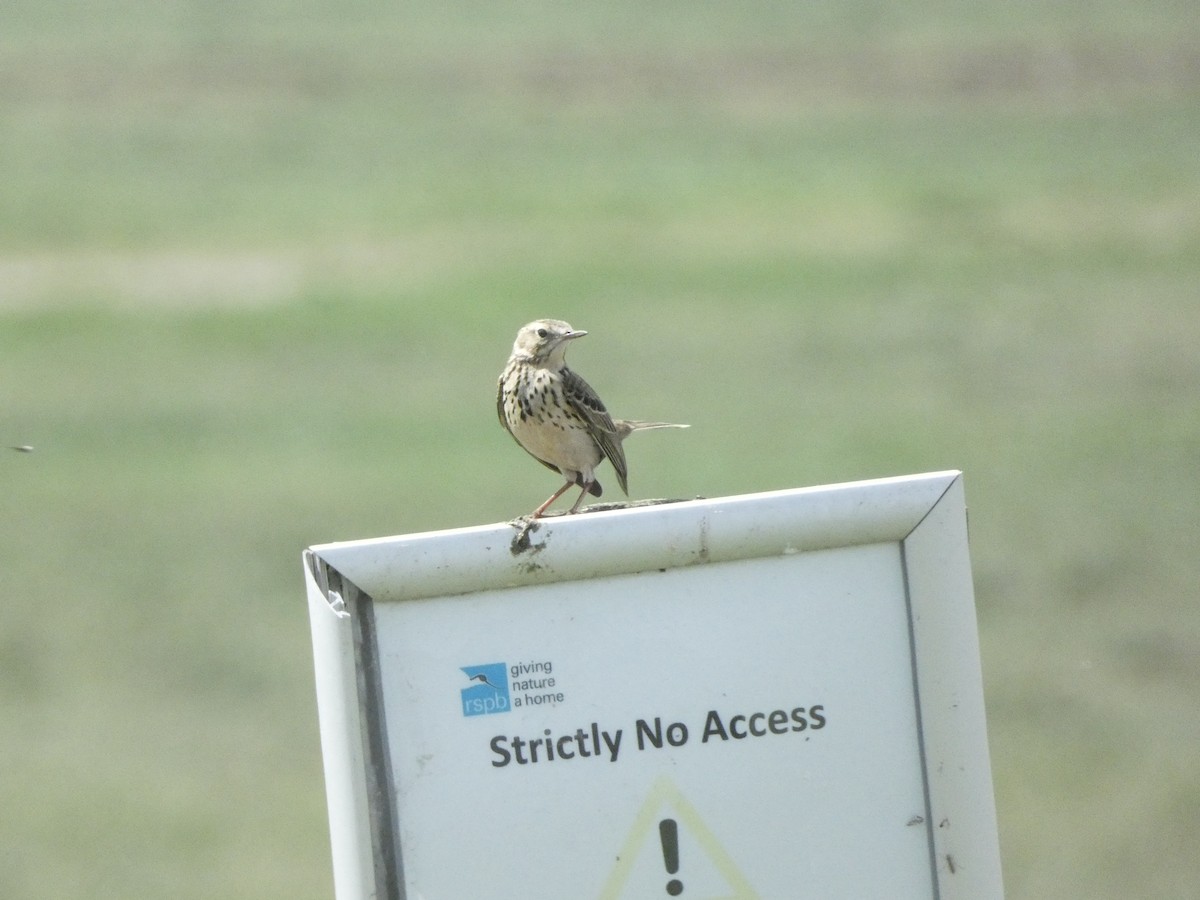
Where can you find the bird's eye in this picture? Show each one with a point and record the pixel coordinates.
(542, 332)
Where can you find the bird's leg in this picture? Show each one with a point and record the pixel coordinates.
(541, 509)
(586, 487)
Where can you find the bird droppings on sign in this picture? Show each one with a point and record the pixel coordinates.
(524, 527)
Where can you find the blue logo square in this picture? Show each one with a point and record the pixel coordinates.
(488, 692)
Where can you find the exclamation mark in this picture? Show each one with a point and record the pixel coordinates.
(668, 833)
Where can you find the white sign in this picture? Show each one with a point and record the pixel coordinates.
(767, 696)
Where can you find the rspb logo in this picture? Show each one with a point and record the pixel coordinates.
(487, 691)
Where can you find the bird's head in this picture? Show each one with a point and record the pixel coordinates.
(545, 341)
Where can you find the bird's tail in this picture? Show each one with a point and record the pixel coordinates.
(626, 427)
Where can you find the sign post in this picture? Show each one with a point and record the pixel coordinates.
(769, 696)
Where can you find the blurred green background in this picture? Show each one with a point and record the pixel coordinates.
(260, 264)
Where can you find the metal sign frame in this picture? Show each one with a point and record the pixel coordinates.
(923, 515)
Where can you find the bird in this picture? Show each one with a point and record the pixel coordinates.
(556, 417)
(483, 679)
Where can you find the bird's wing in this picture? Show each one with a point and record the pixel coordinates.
(600, 424)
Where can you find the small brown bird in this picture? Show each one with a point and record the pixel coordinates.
(556, 416)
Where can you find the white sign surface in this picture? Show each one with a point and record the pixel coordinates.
(730, 698)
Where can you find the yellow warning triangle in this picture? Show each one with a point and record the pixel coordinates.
(664, 794)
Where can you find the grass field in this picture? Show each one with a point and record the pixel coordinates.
(260, 265)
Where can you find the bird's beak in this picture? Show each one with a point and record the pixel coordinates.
(571, 335)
